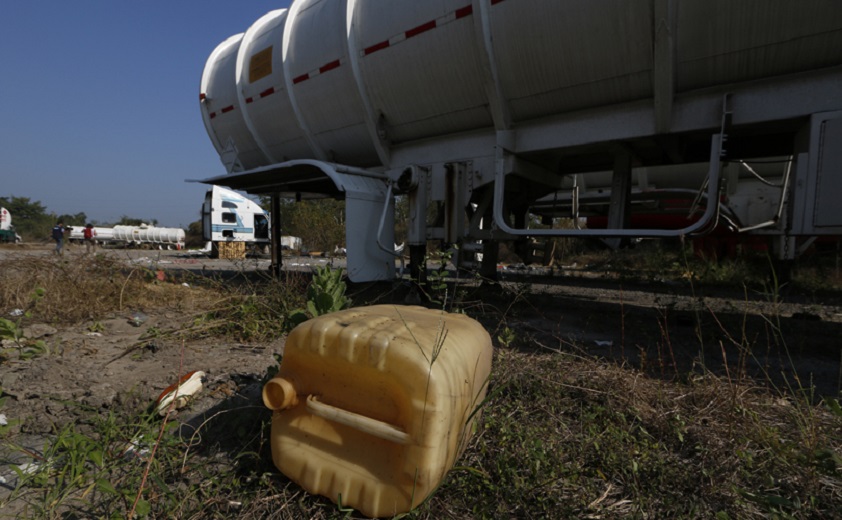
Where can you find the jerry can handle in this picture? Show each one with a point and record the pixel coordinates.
(359, 422)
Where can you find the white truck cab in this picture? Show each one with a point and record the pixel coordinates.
(228, 216)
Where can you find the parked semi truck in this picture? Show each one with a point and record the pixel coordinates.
(230, 216)
(653, 118)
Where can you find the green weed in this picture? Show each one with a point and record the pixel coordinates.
(325, 294)
(506, 337)
(25, 348)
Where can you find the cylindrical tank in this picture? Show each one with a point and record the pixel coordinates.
(5, 219)
(262, 90)
(104, 234)
(347, 80)
(324, 92)
(124, 233)
(221, 108)
(149, 234)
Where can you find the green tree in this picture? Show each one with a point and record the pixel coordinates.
(128, 221)
(79, 219)
(193, 236)
(319, 223)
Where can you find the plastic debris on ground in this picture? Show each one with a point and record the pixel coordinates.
(181, 393)
(29, 468)
(136, 449)
(137, 318)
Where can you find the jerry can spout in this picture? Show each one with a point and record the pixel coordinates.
(279, 394)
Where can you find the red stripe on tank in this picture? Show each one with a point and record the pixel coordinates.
(376, 47)
(462, 12)
(329, 66)
(424, 27)
(458, 14)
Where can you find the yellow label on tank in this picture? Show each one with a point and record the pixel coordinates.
(260, 64)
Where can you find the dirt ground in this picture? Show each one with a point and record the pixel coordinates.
(111, 368)
(664, 329)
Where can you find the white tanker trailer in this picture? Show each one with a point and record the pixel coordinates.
(489, 113)
(149, 235)
(103, 234)
(135, 235)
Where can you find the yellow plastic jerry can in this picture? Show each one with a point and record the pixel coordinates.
(373, 405)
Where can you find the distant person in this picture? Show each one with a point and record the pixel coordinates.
(58, 236)
(90, 238)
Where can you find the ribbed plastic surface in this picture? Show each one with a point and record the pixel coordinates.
(374, 404)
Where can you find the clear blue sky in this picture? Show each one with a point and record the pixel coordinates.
(99, 103)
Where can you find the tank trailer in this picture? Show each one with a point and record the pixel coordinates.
(497, 118)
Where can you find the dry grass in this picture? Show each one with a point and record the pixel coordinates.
(562, 436)
(74, 289)
(69, 290)
(568, 437)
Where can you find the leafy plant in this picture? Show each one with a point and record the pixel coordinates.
(436, 284)
(9, 330)
(26, 348)
(325, 294)
(96, 326)
(506, 337)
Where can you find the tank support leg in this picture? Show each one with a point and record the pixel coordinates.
(490, 255)
(417, 263)
(620, 208)
(417, 273)
(784, 257)
(275, 237)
